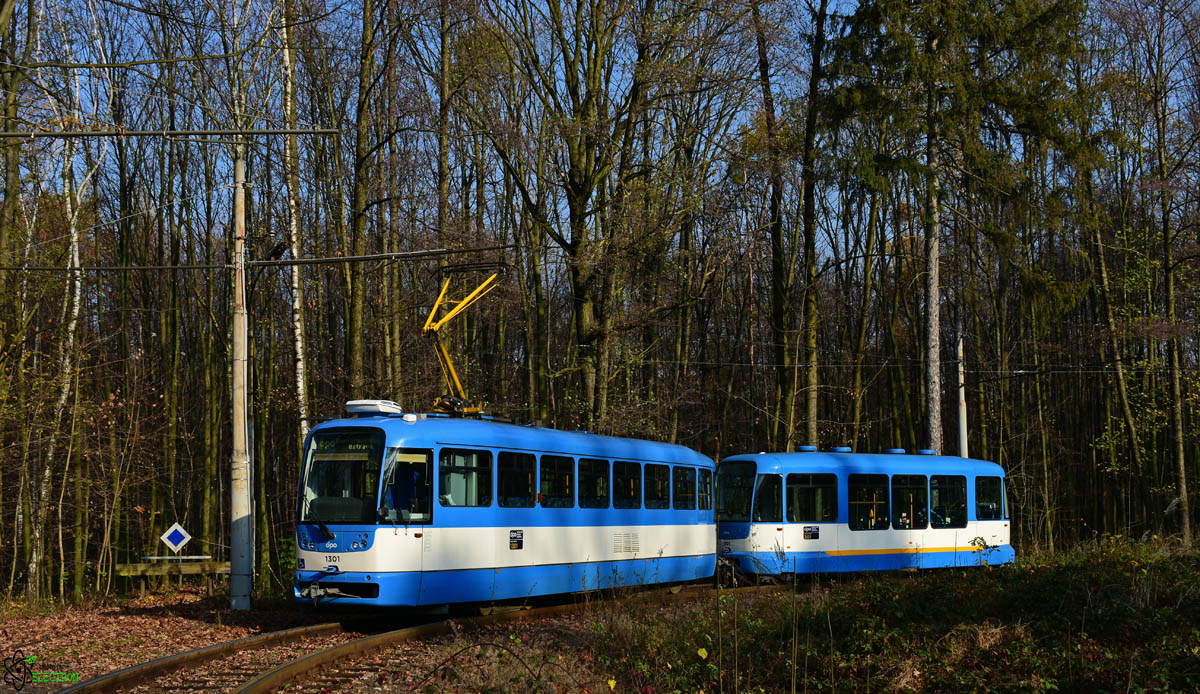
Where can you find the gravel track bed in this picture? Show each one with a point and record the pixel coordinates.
(229, 672)
(507, 656)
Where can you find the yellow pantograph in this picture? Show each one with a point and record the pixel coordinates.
(455, 401)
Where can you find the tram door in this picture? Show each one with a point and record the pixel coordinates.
(766, 529)
(910, 517)
(406, 504)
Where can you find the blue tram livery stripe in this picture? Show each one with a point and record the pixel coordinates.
(868, 560)
(415, 588)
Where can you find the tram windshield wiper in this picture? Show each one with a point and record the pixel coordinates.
(325, 529)
(386, 514)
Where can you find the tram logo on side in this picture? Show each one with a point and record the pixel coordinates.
(516, 539)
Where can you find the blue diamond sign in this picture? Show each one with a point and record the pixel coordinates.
(175, 537)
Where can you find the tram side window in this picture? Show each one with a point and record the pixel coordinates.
(868, 502)
(910, 502)
(811, 498)
(465, 477)
(406, 488)
(515, 473)
(593, 483)
(948, 501)
(558, 482)
(627, 485)
(706, 490)
(989, 498)
(684, 481)
(768, 499)
(658, 486)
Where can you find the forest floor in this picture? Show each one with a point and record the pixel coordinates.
(1112, 615)
(96, 638)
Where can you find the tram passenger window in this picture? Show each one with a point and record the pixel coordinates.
(989, 498)
(558, 482)
(811, 498)
(658, 486)
(593, 483)
(948, 501)
(406, 486)
(910, 502)
(684, 481)
(706, 490)
(515, 473)
(465, 477)
(868, 502)
(627, 485)
(768, 499)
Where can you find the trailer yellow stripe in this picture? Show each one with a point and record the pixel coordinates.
(902, 550)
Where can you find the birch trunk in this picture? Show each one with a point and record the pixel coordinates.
(66, 358)
(291, 171)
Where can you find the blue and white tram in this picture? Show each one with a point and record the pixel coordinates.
(413, 510)
(819, 512)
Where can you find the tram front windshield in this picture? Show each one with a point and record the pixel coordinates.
(735, 489)
(341, 476)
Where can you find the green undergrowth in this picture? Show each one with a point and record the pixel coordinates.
(1112, 616)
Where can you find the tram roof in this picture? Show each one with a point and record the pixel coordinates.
(425, 431)
(867, 463)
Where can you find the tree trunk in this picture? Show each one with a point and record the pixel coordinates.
(291, 175)
(782, 426)
(933, 327)
(810, 228)
(66, 359)
(356, 325)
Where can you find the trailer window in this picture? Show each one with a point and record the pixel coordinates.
(910, 502)
(811, 498)
(558, 482)
(515, 473)
(627, 485)
(658, 486)
(684, 482)
(948, 501)
(768, 499)
(465, 477)
(735, 489)
(593, 483)
(705, 498)
(868, 502)
(989, 498)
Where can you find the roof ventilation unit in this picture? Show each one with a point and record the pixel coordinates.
(806, 449)
(926, 451)
(895, 451)
(842, 449)
(369, 407)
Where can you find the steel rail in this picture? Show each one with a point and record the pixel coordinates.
(134, 673)
(282, 675)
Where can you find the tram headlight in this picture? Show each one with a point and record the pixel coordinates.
(354, 545)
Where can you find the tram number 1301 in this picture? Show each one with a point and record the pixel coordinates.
(332, 558)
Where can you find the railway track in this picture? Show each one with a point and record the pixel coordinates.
(317, 658)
